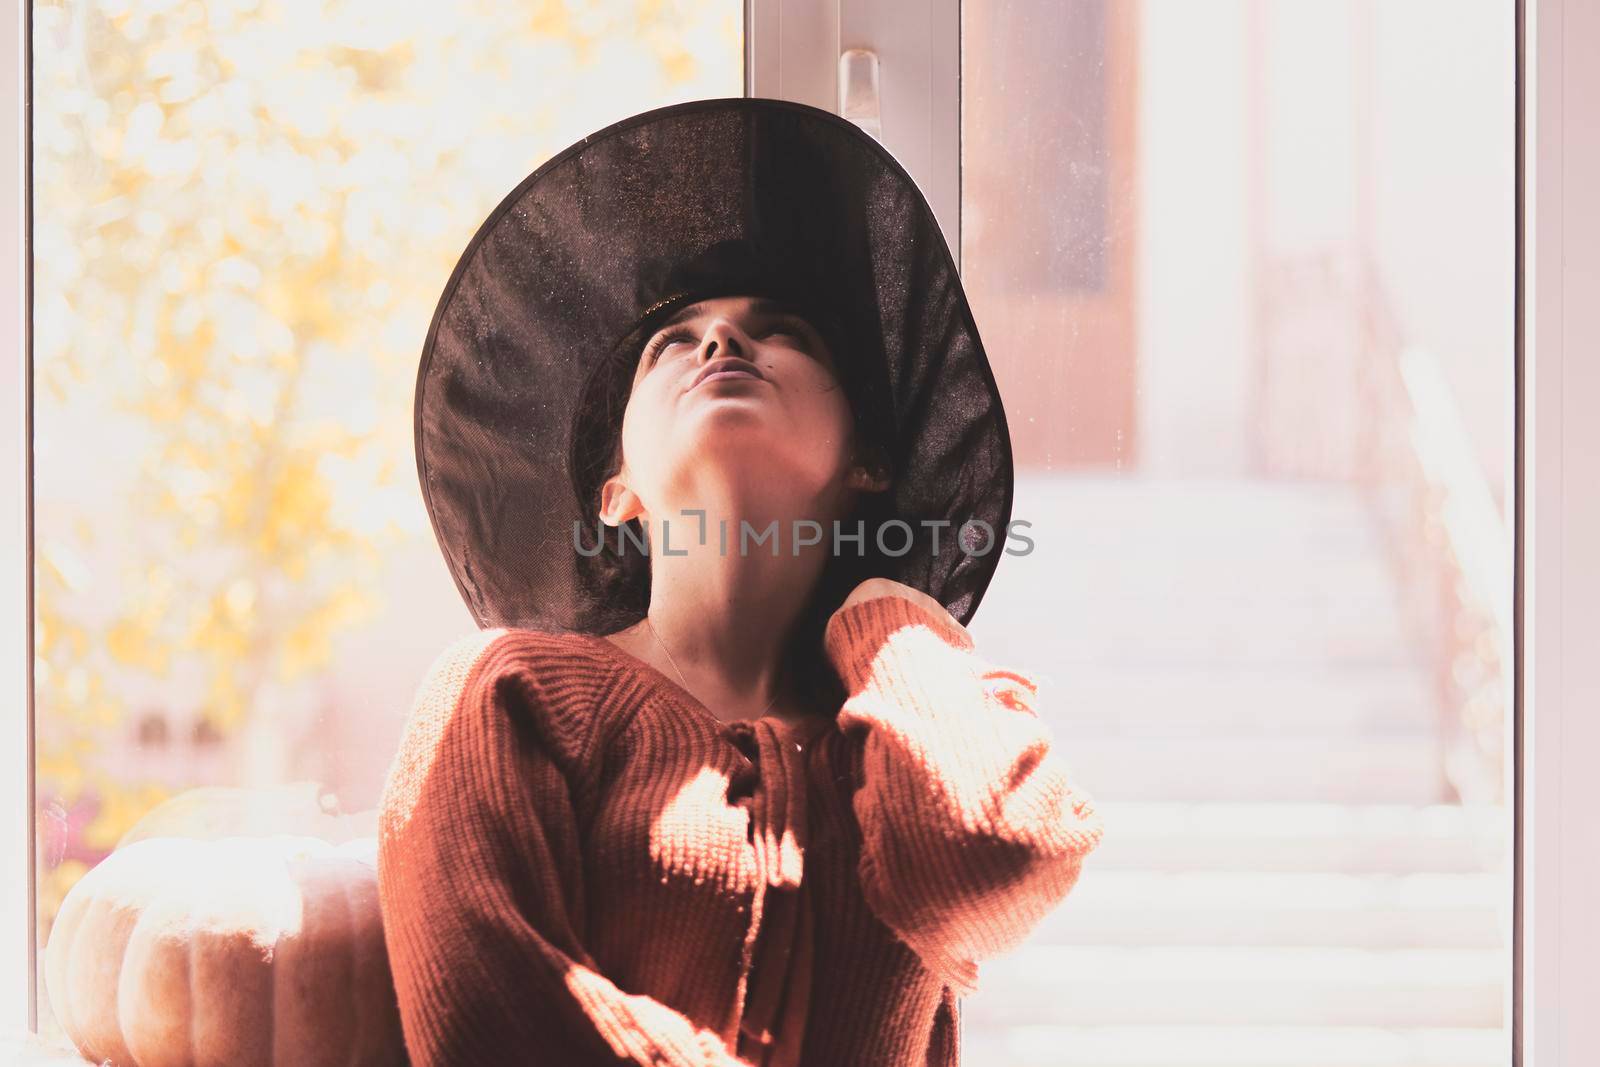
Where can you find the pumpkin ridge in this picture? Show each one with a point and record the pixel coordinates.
(353, 999)
(194, 1040)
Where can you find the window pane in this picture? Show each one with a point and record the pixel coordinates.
(245, 214)
(1245, 271)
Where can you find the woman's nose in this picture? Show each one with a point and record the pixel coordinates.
(724, 339)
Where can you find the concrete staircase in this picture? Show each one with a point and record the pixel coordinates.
(1281, 883)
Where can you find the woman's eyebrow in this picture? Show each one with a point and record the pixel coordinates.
(759, 306)
(688, 311)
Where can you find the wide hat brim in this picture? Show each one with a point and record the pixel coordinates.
(727, 195)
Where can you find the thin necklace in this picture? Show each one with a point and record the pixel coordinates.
(681, 678)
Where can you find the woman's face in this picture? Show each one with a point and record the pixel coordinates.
(729, 381)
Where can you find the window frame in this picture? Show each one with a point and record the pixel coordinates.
(18, 965)
(1556, 935)
(792, 51)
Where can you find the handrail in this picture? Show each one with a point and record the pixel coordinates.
(1475, 611)
(1388, 421)
(1475, 530)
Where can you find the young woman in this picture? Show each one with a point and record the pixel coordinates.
(779, 813)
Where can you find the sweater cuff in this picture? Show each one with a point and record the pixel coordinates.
(855, 635)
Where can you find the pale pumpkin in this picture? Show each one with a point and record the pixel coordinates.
(260, 951)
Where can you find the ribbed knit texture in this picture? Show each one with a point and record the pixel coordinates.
(580, 864)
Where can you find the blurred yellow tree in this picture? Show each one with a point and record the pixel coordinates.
(244, 213)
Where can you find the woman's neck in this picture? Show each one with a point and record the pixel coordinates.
(720, 622)
(723, 621)
(729, 580)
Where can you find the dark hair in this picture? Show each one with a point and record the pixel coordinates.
(617, 577)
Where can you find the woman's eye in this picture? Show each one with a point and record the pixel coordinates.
(660, 344)
(788, 330)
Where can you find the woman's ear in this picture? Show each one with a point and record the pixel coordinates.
(869, 471)
(618, 503)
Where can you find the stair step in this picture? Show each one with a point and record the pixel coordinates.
(1195, 629)
(1381, 911)
(1232, 1046)
(1099, 701)
(1211, 514)
(1215, 573)
(1349, 770)
(1136, 985)
(1299, 836)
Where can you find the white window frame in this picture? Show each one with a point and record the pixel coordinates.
(792, 52)
(1557, 840)
(17, 1007)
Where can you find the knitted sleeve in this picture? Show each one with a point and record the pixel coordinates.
(480, 884)
(972, 826)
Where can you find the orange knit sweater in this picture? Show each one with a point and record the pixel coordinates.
(580, 864)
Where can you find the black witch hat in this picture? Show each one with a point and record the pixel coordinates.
(540, 324)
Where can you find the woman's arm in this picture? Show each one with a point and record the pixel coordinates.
(972, 827)
(480, 885)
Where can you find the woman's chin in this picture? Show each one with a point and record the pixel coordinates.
(732, 438)
(724, 414)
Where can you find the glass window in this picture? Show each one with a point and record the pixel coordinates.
(1245, 273)
(244, 215)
